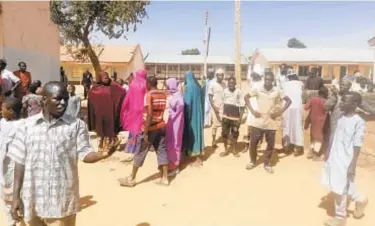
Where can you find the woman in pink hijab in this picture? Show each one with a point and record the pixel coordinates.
(132, 110)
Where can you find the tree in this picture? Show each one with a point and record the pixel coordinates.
(193, 51)
(296, 44)
(77, 20)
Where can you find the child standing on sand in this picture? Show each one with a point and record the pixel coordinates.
(232, 114)
(318, 119)
(339, 170)
(11, 110)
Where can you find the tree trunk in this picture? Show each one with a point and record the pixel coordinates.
(93, 57)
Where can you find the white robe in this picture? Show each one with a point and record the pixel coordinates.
(349, 133)
(293, 116)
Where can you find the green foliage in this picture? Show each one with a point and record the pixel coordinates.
(193, 51)
(77, 20)
(295, 43)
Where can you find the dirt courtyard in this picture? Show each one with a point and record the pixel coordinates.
(221, 193)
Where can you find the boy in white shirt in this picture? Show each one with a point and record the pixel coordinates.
(339, 170)
(11, 111)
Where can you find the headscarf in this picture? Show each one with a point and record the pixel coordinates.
(172, 85)
(133, 106)
(193, 141)
(104, 107)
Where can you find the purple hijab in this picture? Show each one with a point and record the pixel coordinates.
(175, 125)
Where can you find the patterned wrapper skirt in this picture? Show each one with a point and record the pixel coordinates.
(131, 145)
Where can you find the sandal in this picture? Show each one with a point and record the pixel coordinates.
(161, 182)
(236, 154)
(223, 154)
(126, 182)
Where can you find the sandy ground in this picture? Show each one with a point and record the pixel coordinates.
(221, 193)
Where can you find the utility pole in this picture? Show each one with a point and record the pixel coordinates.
(206, 42)
(237, 30)
(371, 43)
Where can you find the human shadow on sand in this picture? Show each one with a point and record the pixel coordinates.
(143, 224)
(327, 203)
(276, 157)
(86, 201)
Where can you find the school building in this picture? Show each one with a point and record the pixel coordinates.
(122, 59)
(176, 65)
(330, 62)
(28, 34)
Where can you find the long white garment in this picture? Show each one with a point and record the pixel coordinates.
(253, 101)
(7, 131)
(349, 133)
(293, 116)
(207, 104)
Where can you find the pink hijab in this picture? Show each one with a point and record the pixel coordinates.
(133, 105)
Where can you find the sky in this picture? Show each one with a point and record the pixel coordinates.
(172, 26)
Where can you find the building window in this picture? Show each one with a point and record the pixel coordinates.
(229, 68)
(172, 67)
(184, 68)
(160, 69)
(302, 70)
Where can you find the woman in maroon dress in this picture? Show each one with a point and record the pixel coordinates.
(318, 122)
(104, 105)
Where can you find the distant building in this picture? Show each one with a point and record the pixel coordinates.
(177, 65)
(330, 62)
(28, 34)
(124, 59)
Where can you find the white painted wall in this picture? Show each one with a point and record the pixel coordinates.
(28, 34)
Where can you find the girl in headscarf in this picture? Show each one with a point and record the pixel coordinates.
(175, 126)
(104, 104)
(193, 143)
(132, 110)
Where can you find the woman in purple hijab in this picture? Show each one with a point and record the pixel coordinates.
(175, 126)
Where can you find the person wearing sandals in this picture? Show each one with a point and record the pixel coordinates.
(103, 109)
(175, 126)
(193, 138)
(264, 123)
(47, 170)
(153, 134)
(132, 108)
(233, 108)
(216, 94)
(293, 139)
(340, 168)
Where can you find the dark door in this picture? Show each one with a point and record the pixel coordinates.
(342, 71)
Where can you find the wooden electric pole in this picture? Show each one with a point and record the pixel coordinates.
(237, 29)
(206, 42)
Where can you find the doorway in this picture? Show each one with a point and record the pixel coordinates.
(342, 71)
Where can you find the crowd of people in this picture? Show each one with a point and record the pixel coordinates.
(43, 135)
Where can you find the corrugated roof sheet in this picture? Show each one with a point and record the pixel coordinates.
(318, 55)
(110, 54)
(190, 59)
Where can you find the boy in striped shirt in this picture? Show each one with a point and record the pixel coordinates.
(153, 134)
